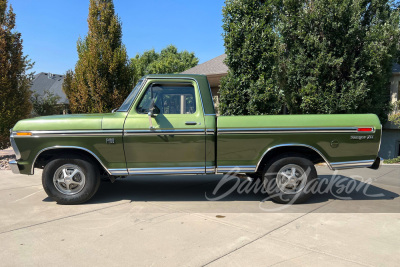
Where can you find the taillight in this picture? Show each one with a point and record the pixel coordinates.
(367, 129)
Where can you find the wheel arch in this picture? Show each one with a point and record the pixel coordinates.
(311, 152)
(46, 154)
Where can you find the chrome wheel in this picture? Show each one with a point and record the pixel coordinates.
(69, 179)
(291, 179)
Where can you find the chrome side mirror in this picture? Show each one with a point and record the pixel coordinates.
(151, 114)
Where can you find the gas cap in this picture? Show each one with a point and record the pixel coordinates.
(334, 143)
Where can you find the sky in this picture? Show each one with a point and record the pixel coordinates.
(51, 28)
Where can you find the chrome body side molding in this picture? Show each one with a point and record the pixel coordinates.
(210, 131)
(165, 132)
(289, 130)
(70, 133)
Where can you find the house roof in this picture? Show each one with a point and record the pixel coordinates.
(217, 66)
(49, 82)
(211, 67)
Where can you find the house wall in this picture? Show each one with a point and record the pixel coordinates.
(390, 144)
(391, 133)
(214, 91)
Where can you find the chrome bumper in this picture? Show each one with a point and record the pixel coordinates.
(14, 166)
(14, 145)
(372, 164)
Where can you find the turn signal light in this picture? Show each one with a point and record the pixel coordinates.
(365, 129)
(24, 134)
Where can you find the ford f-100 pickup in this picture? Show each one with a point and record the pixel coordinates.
(168, 125)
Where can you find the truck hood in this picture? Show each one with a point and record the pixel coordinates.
(61, 122)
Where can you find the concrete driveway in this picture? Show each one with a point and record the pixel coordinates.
(167, 221)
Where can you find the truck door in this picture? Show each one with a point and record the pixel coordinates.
(172, 138)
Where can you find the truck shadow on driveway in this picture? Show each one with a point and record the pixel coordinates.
(173, 189)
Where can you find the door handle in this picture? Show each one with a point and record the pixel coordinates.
(191, 123)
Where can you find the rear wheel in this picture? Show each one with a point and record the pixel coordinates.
(71, 180)
(287, 179)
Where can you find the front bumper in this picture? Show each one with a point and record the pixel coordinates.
(14, 166)
(14, 145)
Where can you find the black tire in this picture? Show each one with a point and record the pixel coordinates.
(274, 173)
(87, 175)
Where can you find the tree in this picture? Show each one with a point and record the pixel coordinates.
(102, 78)
(309, 56)
(169, 60)
(45, 104)
(14, 79)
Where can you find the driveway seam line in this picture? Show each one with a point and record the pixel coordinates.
(62, 218)
(267, 233)
(302, 255)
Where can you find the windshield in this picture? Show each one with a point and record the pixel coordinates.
(128, 101)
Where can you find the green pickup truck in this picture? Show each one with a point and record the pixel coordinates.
(168, 125)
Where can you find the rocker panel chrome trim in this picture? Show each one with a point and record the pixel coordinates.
(210, 169)
(225, 169)
(119, 172)
(174, 170)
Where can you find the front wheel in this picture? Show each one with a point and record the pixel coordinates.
(288, 179)
(71, 180)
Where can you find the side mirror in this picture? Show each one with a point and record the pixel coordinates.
(153, 109)
(151, 114)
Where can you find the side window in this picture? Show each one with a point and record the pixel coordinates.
(169, 99)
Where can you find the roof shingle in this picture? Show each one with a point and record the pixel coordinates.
(213, 66)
